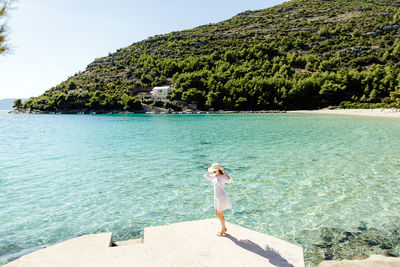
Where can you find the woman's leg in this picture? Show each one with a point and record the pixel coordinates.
(220, 215)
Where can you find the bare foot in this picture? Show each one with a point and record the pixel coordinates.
(223, 231)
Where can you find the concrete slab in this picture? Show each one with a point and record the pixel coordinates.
(191, 243)
(197, 241)
(80, 251)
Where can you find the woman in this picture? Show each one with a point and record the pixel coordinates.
(221, 200)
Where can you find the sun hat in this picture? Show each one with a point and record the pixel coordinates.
(214, 167)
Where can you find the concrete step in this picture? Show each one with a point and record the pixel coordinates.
(128, 242)
(191, 243)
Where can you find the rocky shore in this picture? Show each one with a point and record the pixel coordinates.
(144, 111)
(34, 111)
(392, 113)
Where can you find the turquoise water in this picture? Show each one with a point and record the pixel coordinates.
(62, 176)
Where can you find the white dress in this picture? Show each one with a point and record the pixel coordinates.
(221, 199)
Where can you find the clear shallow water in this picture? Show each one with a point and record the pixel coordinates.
(62, 176)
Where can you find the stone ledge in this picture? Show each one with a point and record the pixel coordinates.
(190, 243)
(78, 251)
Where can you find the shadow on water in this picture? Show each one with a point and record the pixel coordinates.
(273, 257)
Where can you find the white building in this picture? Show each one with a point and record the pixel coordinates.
(161, 93)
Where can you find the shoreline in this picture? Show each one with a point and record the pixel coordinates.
(379, 112)
(97, 112)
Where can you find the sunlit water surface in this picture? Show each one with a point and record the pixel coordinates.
(62, 176)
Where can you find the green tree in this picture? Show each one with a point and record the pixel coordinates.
(17, 103)
(332, 92)
(194, 95)
(5, 6)
(214, 100)
(94, 102)
(131, 103)
(395, 96)
(71, 85)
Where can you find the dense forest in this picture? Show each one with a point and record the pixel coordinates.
(303, 54)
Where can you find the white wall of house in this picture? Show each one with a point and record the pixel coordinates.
(161, 93)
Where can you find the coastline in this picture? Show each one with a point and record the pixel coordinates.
(379, 112)
(156, 111)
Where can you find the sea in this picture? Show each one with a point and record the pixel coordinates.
(63, 176)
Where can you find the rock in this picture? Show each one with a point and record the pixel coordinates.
(244, 14)
(353, 50)
(339, 244)
(198, 44)
(364, 8)
(370, 34)
(373, 260)
(162, 52)
(381, 31)
(390, 28)
(286, 9)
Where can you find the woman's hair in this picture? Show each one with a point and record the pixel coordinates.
(220, 172)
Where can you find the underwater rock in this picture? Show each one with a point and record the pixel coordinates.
(340, 244)
(373, 260)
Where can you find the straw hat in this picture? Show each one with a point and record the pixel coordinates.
(214, 167)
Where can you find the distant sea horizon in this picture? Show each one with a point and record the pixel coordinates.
(7, 103)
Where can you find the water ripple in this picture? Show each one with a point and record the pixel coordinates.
(63, 175)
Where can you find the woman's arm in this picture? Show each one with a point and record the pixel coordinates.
(207, 176)
(230, 181)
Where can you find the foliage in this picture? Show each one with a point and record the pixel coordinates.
(297, 55)
(17, 103)
(97, 101)
(353, 105)
(159, 104)
(5, 6)
(131, 103)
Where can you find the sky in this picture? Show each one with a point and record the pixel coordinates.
(52, 40)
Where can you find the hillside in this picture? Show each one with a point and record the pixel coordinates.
(303, 54)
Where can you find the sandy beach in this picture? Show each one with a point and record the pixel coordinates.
(379, 112)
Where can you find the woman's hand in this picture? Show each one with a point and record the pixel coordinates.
(223, 170)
